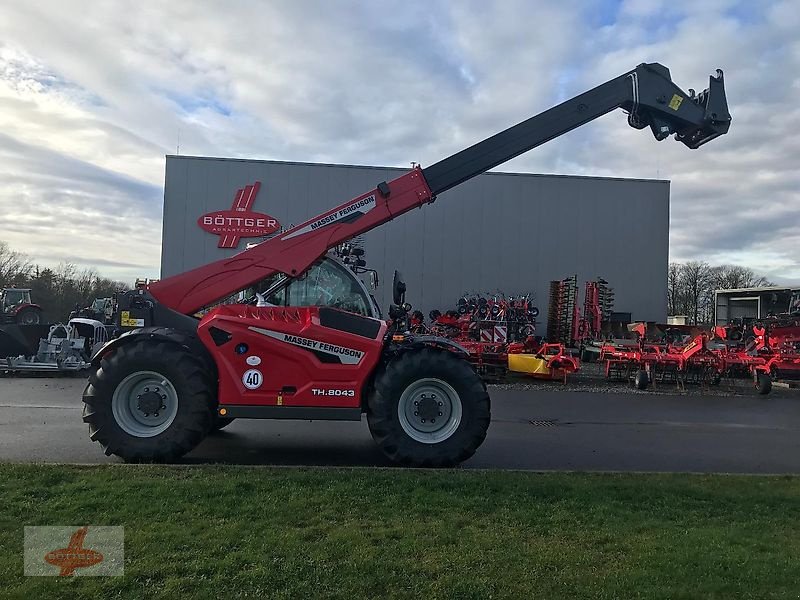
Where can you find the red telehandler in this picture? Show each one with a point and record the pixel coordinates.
(314, 349)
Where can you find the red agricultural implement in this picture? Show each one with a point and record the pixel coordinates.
(772, 350)
(320, 351)
(648, 363)
(499, 334)
(566, 324)
(708, 357)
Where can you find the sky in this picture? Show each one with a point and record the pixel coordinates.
(93, 95)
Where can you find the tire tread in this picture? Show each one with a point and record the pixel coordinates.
(197, 400)
(382, 409)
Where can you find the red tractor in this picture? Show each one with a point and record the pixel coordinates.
(312, 346)
(16, 307)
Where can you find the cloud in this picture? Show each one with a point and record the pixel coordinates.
(91, 101)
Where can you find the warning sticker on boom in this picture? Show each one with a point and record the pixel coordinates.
(675, 103)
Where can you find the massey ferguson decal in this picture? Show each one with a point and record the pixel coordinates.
(238, 222)
(349, 213)
(348, 356)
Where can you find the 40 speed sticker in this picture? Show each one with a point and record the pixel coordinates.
(252, 379)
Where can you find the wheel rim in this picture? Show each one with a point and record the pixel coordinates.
(429, 410)
(144, 404)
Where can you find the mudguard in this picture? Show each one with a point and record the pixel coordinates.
(421, 341)
(166, 334)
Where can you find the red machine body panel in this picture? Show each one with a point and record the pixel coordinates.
(20, 307)
(286, 356)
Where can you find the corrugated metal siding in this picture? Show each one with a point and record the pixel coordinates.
(512, 232)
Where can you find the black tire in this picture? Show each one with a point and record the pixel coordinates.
(642, 380)
(764, 384)
(29, 316)
(194, 390)
(221, 423)
(411, 368)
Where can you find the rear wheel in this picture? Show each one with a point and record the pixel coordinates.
(149, 401)
(429, 408)
(29, 316)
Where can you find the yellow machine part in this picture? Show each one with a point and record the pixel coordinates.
(527, 363)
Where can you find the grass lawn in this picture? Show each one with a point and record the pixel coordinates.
(219, 532)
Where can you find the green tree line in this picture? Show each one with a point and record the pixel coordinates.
(57, 290)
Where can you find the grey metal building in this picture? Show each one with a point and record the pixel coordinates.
(499, 231)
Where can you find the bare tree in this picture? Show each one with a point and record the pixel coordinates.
(691, 287)
(673, 288)
(15, 267)
(727, 277)
(696, 281)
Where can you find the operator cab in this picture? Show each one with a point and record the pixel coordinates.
(327, 283)
(15, 296)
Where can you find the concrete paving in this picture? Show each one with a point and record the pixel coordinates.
(540, 429)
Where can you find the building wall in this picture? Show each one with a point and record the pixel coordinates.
(512, 232)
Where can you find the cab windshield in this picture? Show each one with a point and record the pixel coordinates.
(13, 297)
(327, 283)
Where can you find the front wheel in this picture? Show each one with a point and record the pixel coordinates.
(149, 401)
(428, 408)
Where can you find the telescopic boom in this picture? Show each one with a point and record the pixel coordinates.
(646, 93)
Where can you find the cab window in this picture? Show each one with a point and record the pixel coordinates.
(328, 283)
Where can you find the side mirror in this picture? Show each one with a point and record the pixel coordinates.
(373, 280)
(398, 289)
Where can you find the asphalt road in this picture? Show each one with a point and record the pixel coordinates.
(541, 429)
